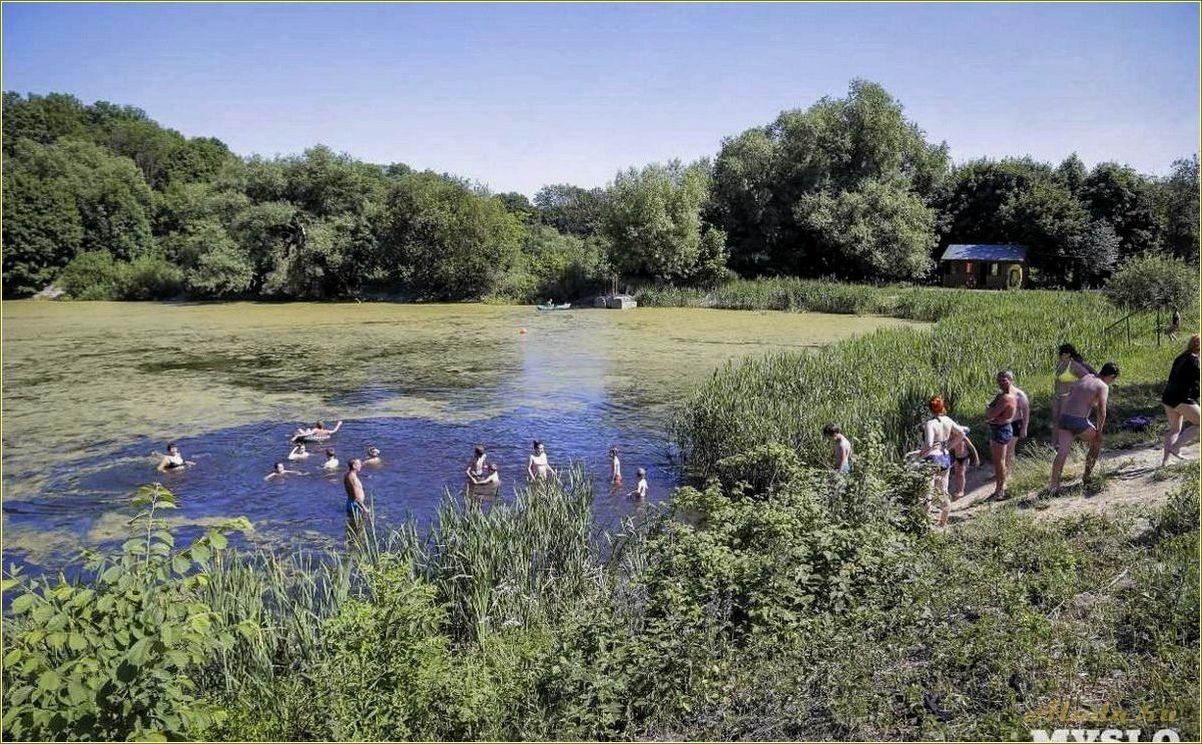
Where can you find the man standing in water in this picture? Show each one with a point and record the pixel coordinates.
(1074, 420)
(356, 506)
(999, 413)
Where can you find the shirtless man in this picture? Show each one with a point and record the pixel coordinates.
(319, 433)
(998, 414)
(1022, 417)
(841, 457)
(356, 506)
(1074, 421)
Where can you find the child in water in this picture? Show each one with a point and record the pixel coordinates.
(615, 467)
(640, 490)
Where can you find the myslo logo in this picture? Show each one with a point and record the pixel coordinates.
(1111, 735)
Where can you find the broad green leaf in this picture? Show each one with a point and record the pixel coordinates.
(22, 603)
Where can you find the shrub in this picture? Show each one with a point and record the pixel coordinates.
(92, 275)
(1151, 282)
(150, 278)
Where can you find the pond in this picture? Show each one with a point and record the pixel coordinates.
(91, 390)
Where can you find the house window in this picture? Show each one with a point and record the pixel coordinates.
(968, 267)
(993, 269)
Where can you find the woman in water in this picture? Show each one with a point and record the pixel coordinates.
(298, 452)
(936, 433)
(476, 468)
(1069, 368)
(331, 462)
(615, 467)
(537, 465)
(173, 460)
(279, 472)
(373, 457)
(1180, 400)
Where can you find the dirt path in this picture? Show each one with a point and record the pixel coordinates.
(1126, 481)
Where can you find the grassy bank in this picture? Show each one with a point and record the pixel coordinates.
(877, 385)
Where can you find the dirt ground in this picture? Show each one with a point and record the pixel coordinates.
(1126, 482)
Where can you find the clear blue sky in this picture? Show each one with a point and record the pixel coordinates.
(518, 96)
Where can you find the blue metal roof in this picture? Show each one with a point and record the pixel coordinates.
(985, 252)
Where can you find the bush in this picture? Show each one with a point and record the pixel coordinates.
(150, 278)
(92, 275)
(1151, 282)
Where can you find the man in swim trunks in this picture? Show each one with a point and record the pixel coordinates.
(841, 457)
(356, 505)
(1089, 391)
(999, 413)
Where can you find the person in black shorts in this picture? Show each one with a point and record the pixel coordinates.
(1180, 399)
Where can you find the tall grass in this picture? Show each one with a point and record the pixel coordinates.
(881, 382)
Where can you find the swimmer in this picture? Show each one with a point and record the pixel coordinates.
(356, 505)
(841, 457)
(476, 468)
(493, 478)
(615, 467)
(331, 462)
(319, 433)
(298, 452)
(280, 472)
(640, 489)
(373, 457)
(537, 466)
(173, 460)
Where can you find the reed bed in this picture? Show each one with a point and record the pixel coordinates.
(881, 381)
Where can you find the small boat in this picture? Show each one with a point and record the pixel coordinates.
(564, 306)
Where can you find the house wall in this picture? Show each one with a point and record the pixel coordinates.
(956, 273)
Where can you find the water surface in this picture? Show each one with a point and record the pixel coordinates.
(90, 390)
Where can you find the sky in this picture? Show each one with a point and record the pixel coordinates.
(517, 96)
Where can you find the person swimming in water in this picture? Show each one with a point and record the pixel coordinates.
(640, 489)
(537, 465)
(615, 467)
(331, 462)
(279, 472)
(298, 452)
(476, 468)
(319, 433)
(373, 457)
(489, 476)
(173, 460)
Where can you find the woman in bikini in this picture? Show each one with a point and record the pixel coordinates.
(1070, 368)
(173, 460)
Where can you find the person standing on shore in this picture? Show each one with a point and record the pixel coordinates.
(1088, 392)
(1180, 400)
(1022, 417)
(1070, 368)
(999, 413)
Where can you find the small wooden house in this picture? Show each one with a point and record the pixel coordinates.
(985, 266)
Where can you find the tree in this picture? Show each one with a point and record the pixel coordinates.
(442, 241)
(519, 206)
(571, 209)
(1151, 282)
(217, 265)
(1124, 199)
(654, 220)
(878, 230)
(1177, 208)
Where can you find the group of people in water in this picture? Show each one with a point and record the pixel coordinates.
(1079, 391)
(483, 475)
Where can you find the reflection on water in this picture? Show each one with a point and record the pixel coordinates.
(91, 389)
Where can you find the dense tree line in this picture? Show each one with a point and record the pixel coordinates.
(104, 202)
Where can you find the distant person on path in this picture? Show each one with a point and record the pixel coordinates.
(173, 460)
(373, 457)
(936, 431)
(999, 413)
(961, 449)
(1180, 400)
(841, 457)
(1090, 391)
(615, 467)
(279, 472)
(537, 465)
(331, 462)
(640, 489)
(1070, 368)
(298, 452)
(356, 505)
(1174, 325)
(1022, 417)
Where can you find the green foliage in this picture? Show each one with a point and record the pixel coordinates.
(572, 210)
(92, 276)
(112, 660)
(654, 222)
(553, 265)
(1150, 282)
(1177, 209)
(448, 242)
